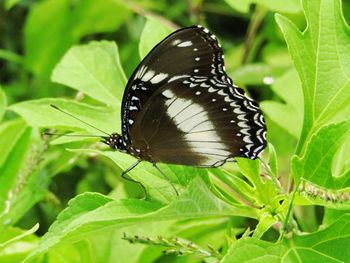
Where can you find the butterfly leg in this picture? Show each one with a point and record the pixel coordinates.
(166, 178)
(124, 176)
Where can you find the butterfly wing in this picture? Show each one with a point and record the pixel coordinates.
(180, 106)
(172, 59)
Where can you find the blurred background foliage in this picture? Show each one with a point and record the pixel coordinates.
(34, 36)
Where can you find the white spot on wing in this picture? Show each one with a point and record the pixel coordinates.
(178, 77)
(149, 74)
(168, 93)
(159, 77)
(185, 44)
(192, 119)
(175, 42)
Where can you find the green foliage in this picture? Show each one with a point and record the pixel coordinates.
(76, 53)
(288, 114)
(52, 26)
(321, 57)
(292, 6)
(94, 70)
(319, 155)
(149, 37)
(2, 103)
(327, 245)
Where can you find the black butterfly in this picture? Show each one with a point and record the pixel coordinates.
(180, 107)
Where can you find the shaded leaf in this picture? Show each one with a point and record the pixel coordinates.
(3, 103)
(53, 26)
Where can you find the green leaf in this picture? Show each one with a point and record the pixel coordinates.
(321, 56)
(266, 220)
(273, 160)
(341, 160)
(23, 182)
(156, 186)
(11, 171)
(10, 3)
(332, 215)
(327, 245)
(16, 244)
(265, 190)
(291, 6)
(153, 32)
(290, 113)
(10, 132)
(90, 212)
(255, 74)
(38, 113)
(3, 103)
(15, 156)
(46, 41)
(95, 70)
(315, 165)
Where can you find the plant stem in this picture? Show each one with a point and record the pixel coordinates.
(10, 56)
(254, 25)
(289, 211)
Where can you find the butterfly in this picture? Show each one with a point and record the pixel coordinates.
(180, 106)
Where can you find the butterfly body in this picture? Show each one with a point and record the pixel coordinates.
(180, 106)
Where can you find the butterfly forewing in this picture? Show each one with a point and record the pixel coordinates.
(180, 106)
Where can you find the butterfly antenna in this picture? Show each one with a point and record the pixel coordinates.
(126, 177)
(71, 135)
(69, 114)
(166, 178)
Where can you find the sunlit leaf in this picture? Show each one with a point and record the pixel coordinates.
(153, 32)
(38, 113)
(324, 73)
(327, 245)
(291, 6)
(95, 70)
(288, 114)
(315, 165)
(90, 212)
(16, 244)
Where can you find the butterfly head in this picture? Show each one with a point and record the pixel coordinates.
(115, 141)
